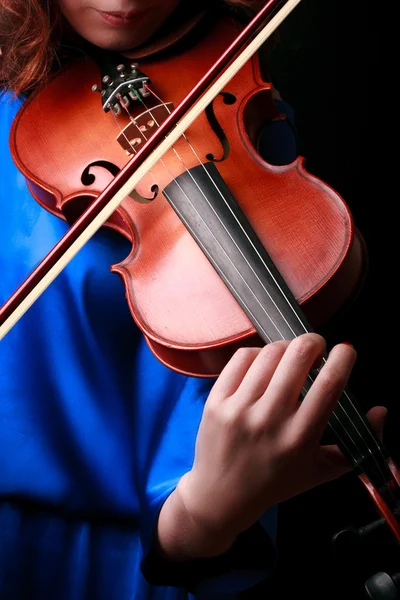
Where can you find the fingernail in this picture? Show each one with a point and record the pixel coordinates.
(348, 344)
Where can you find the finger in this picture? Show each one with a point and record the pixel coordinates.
(260, 372)
(377, 418)
(289, 377)
(234, 371)
(323, 395)
(331, 464)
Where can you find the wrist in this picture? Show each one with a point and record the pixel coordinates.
(187, 533)
(205, 516)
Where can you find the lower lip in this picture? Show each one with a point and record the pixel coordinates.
(117, 21)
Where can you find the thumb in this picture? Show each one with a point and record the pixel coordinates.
(333, 463)
(377, 417)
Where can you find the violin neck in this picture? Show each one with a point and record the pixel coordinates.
(207, 208)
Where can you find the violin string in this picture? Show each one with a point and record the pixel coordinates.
(255, 320)
(133, 149)
(129, 143)
(276, 283)
(241, 227)
(266, 267)
(233, 240)
(251, 291)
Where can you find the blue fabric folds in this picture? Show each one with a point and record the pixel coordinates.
(94, 432)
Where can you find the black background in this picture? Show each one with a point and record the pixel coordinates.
(333, 67)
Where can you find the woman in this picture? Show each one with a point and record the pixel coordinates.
(120, 478)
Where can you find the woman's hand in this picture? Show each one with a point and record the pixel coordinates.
(257, 444)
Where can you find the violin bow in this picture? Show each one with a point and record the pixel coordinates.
(260, 28)
(274, 12)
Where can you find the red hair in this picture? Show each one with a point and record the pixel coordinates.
(30, 35)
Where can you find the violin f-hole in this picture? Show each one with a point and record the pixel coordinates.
(88, 178)
(217, 129)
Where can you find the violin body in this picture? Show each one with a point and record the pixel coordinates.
(70, 151)
(227, 250)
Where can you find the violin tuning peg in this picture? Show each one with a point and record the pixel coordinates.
(116, 109)
(107, 80)
(121, 70)
(95, 88)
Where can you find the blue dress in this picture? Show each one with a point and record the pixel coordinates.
(94, 432)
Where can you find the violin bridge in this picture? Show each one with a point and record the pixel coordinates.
(140, 128)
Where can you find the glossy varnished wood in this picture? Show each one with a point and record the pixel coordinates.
(189, 317)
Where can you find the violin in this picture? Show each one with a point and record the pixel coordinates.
(227, 250)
